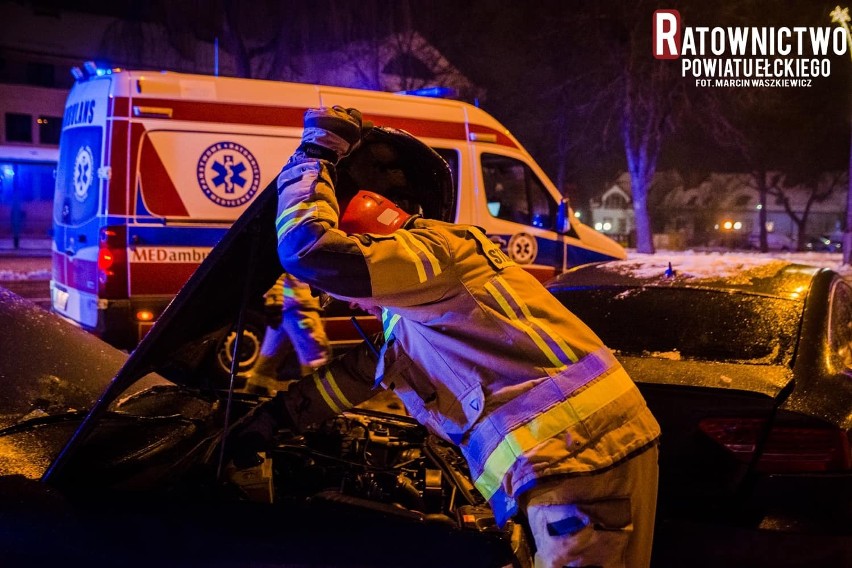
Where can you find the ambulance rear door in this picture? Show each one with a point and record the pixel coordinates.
(78, 206)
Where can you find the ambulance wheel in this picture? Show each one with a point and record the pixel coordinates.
(250, 344)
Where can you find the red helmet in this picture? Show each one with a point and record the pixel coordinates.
(369, 212)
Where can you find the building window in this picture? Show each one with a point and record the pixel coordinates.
(19, 127)
(49, 129)
(615, 201)
(40, 74)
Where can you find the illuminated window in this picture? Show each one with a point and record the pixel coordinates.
(49, 129)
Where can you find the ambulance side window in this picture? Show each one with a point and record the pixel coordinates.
(515, 193)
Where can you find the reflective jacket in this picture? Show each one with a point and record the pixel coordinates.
(475, 347)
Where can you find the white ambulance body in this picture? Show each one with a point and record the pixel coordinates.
(155, 166)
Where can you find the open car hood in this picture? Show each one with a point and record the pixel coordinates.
(239, 269)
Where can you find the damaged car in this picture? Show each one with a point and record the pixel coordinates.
(108, 458)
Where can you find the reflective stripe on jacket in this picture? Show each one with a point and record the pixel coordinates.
(478, 351)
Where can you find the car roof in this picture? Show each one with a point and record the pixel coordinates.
(747, 274)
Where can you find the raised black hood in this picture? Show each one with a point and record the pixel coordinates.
(239, 269)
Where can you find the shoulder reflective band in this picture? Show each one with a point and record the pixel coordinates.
(426, 264)
(548, 424)
(329, 388)
(539, 331)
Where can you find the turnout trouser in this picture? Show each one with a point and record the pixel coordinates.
(603, 519)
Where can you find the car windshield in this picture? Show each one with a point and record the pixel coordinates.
(690, 323)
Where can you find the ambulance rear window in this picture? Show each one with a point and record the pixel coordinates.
(77, 182)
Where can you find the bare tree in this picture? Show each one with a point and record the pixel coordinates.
(818, 188)
(638, 98)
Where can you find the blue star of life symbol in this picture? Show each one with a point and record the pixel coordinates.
(235, 171)
(228, 174)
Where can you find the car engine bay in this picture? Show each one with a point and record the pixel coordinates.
(384, 463)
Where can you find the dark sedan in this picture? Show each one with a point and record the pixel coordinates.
(748, 367)
(115, 460)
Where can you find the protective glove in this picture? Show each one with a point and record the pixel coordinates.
(330, 133)
(257, 431)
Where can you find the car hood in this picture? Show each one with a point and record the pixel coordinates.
(240, 268)
(237, 272)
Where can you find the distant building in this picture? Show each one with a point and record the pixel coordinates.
(721, 210)
(612, 212)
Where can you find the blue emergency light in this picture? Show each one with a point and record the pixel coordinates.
(90, 69)
(434, 92)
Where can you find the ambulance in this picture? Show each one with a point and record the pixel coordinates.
(155, 166)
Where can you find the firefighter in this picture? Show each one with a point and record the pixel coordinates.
(293, 324)
(551, 425)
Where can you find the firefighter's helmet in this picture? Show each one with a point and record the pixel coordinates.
(369, 212)
(398, 166)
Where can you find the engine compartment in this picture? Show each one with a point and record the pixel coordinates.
(387, 464)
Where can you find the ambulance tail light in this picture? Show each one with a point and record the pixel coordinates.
(112, 262)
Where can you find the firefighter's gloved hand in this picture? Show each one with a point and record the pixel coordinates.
(258, 431)
(330, 133)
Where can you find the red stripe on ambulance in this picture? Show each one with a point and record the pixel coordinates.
(263, 115)
(161, 195)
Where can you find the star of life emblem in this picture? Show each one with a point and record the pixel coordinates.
(228, 174)
(83, 173)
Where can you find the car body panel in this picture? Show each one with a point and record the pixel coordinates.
(732, 506)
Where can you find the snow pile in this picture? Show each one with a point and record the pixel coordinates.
(40, 274)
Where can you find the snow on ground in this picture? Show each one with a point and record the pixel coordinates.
(725, 264)
(23, 274)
